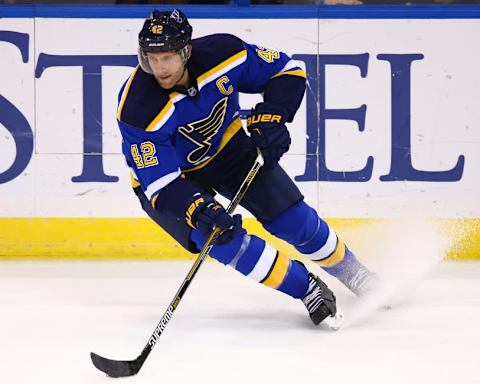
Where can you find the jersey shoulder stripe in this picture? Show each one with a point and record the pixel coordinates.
(222, 68)
(166, 112)
(163, 116)
(214, 55)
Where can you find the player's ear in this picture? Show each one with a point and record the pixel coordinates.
(189, 51)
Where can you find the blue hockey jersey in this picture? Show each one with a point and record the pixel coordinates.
(166, 132)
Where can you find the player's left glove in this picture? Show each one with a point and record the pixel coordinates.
(267, 129)
(203, 213)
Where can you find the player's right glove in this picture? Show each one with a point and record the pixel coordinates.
(267, 130)
(203, 213)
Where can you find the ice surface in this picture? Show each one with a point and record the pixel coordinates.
(228, 329)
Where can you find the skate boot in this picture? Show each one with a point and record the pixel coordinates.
(321, 303)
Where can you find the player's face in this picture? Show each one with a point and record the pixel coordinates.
(167, 68)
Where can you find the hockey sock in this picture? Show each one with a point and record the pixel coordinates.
(301, 226)
(256, 259)
(346, 268)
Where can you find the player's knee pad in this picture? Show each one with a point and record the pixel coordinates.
(301, 226)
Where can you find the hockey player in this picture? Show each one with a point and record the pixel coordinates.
(178, 114)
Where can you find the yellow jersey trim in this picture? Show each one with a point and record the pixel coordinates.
(160, 116)
(125, 93)
(221, 66)
(231, 130)
(293, 72)
(154, 200)
(174, 94)
(135, 183)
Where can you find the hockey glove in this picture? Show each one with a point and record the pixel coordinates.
(268, 132)
(203, 213)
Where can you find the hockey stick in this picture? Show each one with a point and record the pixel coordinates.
(122, 368)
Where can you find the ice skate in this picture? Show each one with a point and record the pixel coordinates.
(362, 281)
(321, 303)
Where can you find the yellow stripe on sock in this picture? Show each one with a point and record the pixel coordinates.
(278, 272)
(336, 257)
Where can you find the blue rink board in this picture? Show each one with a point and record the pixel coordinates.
(247, 12)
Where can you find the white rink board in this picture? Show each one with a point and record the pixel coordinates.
(445, 114)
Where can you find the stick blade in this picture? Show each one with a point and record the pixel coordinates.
(115, 368)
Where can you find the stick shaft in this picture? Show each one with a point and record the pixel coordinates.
(198, 262)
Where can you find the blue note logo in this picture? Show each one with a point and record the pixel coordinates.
(200, 132)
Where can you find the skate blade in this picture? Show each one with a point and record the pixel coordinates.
(334, 322)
